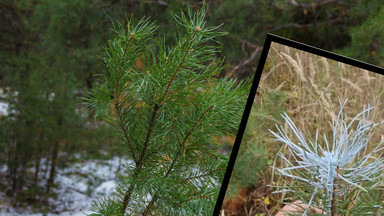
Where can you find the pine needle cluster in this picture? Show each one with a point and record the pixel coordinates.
(166, 107)
(340, 176)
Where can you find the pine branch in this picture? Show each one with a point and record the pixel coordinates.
(192, 82)
(202, 175)
(122, 63)
(193, 128)
(117, 96)
(179, 66)
(149, 206)
(196, 197)
(154, 199)
(148, 136)
(125, 131)
(127, 198)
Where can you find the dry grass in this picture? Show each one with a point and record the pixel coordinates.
(314, 86)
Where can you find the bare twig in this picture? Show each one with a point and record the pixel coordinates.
(244, 62)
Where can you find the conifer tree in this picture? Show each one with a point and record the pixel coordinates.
(167, 108)
(41, 73)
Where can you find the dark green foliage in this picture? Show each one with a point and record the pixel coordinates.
(166, 108)
(41, 76)
(367, 40)
(323, 24)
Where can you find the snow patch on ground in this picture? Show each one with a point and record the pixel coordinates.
(106, 188)
(80, 185)
(3, 109)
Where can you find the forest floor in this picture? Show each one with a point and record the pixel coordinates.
(76, 188)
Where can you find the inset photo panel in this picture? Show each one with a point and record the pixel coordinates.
(311, 138)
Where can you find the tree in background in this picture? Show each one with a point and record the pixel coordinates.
(367, 40)
(323, 24)
(42, 72)
(166, 108)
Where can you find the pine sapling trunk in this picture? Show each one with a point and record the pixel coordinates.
(37, 169)
(127, 198)
(14, 165)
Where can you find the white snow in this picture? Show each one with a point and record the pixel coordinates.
(4, 106)
(106, 187)
(80, 185)
(3, 109)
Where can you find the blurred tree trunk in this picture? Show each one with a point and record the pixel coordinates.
(52, 172)
(38, 160)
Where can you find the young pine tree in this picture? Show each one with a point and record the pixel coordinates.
(167, 109)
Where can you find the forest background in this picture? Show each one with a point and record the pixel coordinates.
(52, 49)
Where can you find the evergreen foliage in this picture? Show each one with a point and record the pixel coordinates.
(166, 108)
(43, 73)
(367, 40)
